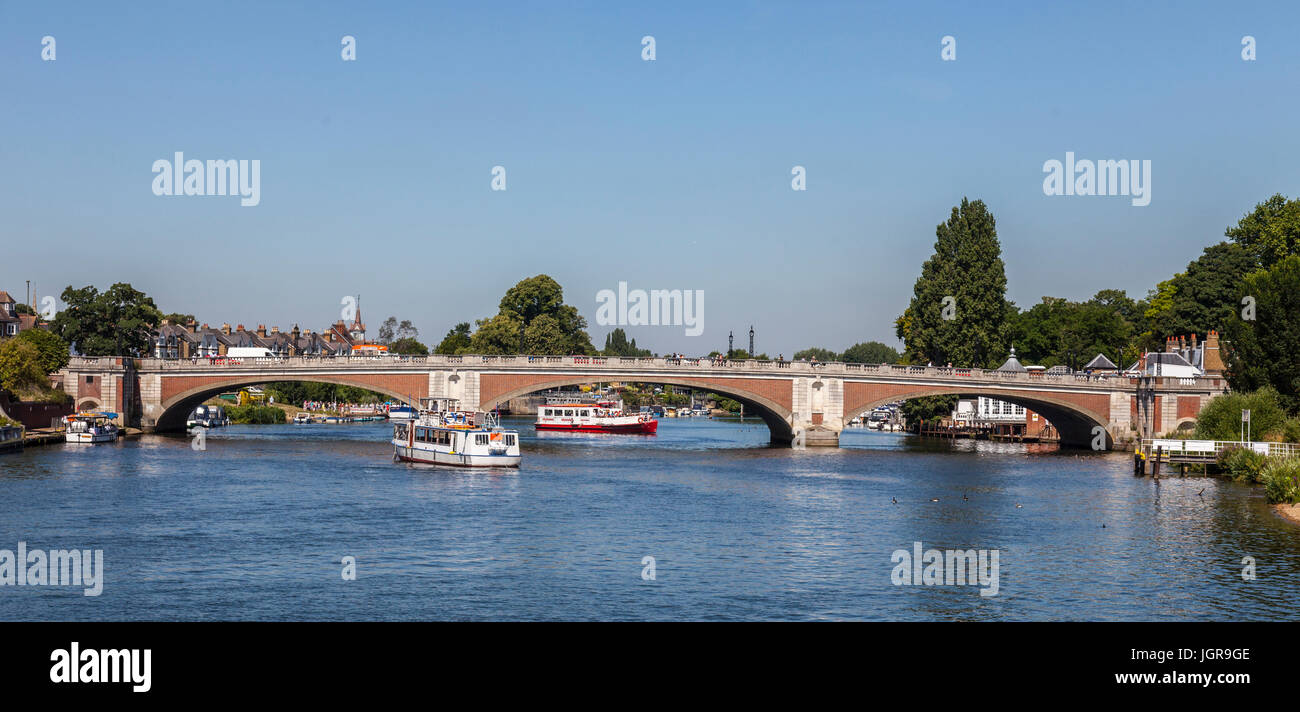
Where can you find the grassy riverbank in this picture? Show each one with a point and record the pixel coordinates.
(1279, 476)
(257, 414)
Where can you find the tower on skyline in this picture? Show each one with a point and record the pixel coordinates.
(358, 328)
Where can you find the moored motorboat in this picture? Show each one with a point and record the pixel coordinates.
(208, 416)
(402, 412)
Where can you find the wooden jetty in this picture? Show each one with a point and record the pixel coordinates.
(1151, 453)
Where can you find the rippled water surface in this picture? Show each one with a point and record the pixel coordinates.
(255, 527)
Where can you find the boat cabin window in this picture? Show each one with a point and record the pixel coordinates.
(481, 439)
(568, 412)
(510, 439)
(585, 412)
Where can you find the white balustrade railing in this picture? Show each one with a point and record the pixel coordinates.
(1211, 449)
(623, 363)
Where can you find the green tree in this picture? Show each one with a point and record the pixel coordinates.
(870, 352)
(927, 408)
(959, 312)
(51, 350)
(533, 316)
(1265, 351)
(1220, 419)
(616, 344)
(497, 335)
(531, 298)
(1271, 232)
(815, 353)
(456, 341)
(386, 330)
(1203, 298)
(20, 367)
(408, 346)
(545, 336)
(392, 331)
(116, 323)
(1057, 331)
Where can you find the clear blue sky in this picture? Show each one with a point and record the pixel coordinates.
(666, 174)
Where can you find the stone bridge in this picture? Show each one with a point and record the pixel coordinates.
(802, 403)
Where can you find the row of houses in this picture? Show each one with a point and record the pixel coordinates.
(189, 341)
(11, 322)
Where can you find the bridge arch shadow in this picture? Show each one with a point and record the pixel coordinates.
(778, 418)
(176, 410)
(1073, 422)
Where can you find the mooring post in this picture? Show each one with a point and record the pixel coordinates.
(1155, 466)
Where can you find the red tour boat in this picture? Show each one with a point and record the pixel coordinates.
(599, 417)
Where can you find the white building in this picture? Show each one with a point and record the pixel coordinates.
(974, 411)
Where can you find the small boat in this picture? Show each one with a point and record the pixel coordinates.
(402, 412)
(599, 417)
(455, 438)
(878, 419)
(208, 416)
(90, 427)
(302, 418)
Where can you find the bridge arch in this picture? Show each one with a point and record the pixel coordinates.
(175, 410)
(1074, 422)
(779, 418)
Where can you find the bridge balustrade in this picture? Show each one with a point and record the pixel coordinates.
(636, 362)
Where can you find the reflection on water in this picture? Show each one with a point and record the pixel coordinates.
(255, 526)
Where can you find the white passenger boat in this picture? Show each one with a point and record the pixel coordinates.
(599, 417)
(302, 417)
(455, 438)
(90, 428)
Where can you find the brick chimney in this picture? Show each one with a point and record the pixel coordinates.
(1171, 344)
(190, 326)
(274, 330)
(225, 329)
(295, 333)
(1212, 363)
(239, 328)
(261, 330)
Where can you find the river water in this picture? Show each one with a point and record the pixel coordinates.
(255, 527)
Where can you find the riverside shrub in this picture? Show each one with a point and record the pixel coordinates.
(1282, 480)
